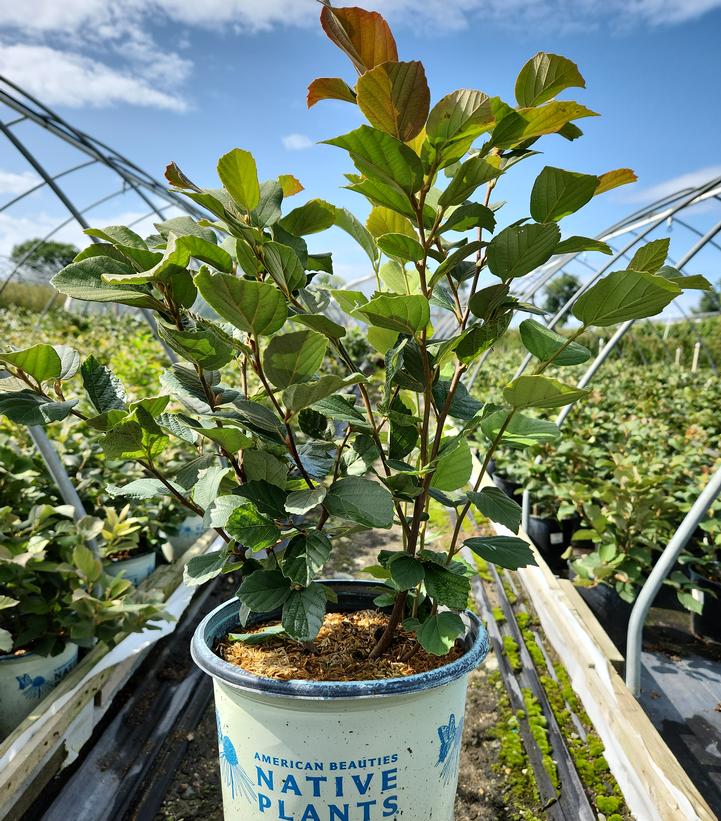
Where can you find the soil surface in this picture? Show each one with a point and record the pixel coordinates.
(195, 791)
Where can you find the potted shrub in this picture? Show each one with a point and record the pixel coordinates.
(121, 547)
(54, 599)
(363, 715)
(705, 573)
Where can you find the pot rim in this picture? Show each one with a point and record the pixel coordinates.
(224, 617)
(33, 654)
(145, 555)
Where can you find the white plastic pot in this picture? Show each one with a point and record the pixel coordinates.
(26, 680)
(338, 751)
(135, 569)
(188, 532)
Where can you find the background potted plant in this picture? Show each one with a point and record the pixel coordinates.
(295, 446)
(121, 546)
(54, 599)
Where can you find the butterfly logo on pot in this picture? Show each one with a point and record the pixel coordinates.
(233, 774)
(450, 737)
(32, 687)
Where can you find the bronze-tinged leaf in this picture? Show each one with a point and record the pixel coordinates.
(363, 35)
(289, 185)
(395, 98)
(177, 179)
(612, 179)
(329, 88)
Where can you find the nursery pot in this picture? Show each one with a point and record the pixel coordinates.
(26, 680)
(511, 488)
(707, 624)
(135, 569)
(188, 532)
(551, 537)
(611, 611)
(337, 751)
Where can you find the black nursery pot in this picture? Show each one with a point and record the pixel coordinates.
(508, 486)
(553, 538)
(707, 624)
(612, 612)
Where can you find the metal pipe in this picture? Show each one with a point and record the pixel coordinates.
(661, 569)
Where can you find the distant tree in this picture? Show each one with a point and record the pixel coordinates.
(559, 291)
(48, 256)
(710, 301)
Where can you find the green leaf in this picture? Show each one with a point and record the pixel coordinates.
(137, 437)
(275, 630)
(6, 640)
(267, 212)
(264, 591)
(459, 116)
(349, 300)
(261, 465)
(304, 395)
(521, 432)
(378, 155)
(544, 344)
(650, 256)
(28, 408)
(446, 587)
(354, 228)
(342, 410)
(472, 173)
(312, 217)
(303, 612)
(254, 307)
(251, 529)
(84, 280)
(239, 175)
(142, 489)
(622, 296)
(305, 556)
(229, 438)
(505, 551)
(40, 361)
(202, 345)
(294, 357)
(103, 388)
(557, 193)
(530, 123)
(496, 506)
(395, 98)
(401, 246)
(574, 245)
(693, 282)
(382, 220)
(360, 500)
(284, 266)
(407, 314)
(438, 633)
(544, 76)
(479, 338)
(406, 571)
(201, 569)
(398, 279)
(454, 466)
(320, 323)
(470, 215)
(541, 392)
(520, 249)
(301, 501)
(463, 405)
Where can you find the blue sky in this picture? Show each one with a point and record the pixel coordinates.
(182, 80)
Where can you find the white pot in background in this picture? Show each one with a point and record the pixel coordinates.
(189, 531)
(338, 751)
(26, 680)
(136, 568)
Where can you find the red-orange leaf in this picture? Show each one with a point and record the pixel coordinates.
(612, 179)
(395, 98)
(329, 88)
(177, 179)
(363, 35)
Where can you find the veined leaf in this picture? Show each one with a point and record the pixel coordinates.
(529, 123)
(438, 633)
(505, 551)
(541, 392)
(496, 506)
(544, 76)
(395, 98)
(329, 88)
(468, 177)
(305, 556)
(406, 314)
(382, 220)
(613, 179)
(308, 393)
(311, 218)
(360, 500)
(460, 115)
(520, 249)
(650, 256)
(304, 609)
(254, 307)
(544, 343)
(264, 591)
(574, 245)
(239, 175)
(251, 529)
(557, 193)
(40, 361)
(363, 35)
(401, 246)
(294, 357)
(521, 432)
(284, 266)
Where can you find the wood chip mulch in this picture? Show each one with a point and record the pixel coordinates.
(340, 652)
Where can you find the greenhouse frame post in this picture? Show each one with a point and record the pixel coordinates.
(657, 576)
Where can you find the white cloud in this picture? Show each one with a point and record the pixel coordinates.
(64, 78)
(297, 142)
(692, 179)
(12, 183)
